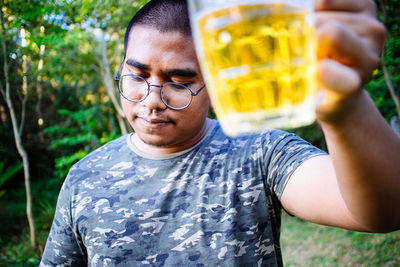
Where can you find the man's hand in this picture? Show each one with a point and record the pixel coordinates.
(358, 185)
(350, 40)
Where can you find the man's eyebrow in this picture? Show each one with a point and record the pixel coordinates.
(189, 73)
(137, 64)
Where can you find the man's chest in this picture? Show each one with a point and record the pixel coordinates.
(182, 219)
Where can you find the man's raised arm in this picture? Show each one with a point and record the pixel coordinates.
(358, 185)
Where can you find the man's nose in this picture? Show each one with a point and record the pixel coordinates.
(153, 100)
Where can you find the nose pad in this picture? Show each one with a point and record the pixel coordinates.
(153, 100)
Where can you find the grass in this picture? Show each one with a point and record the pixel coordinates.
(306, 244)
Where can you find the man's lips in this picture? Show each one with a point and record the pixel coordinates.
(155, 121)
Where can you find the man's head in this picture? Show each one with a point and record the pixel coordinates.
(163, 15)
(159, 48)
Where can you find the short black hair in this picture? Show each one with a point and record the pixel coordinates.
(163, 15)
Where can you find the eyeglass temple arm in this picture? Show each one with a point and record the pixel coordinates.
(198, 91)
(116, 78)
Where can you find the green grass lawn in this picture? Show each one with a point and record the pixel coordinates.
(306, 244)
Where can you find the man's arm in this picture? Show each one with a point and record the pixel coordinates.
(62, 247)
(358, 186)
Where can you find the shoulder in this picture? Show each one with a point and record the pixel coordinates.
(99, 160)
(267, 138)
(118, 145)
(266, 145)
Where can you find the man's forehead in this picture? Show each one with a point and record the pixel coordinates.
(148, 45)
(149, 33)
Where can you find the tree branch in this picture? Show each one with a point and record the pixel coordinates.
(95, 67)
(390, 85)
(25, 90)
(386, 74)
(108, 78)
(2, 90)
(23, 108)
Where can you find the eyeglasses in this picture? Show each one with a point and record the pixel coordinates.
(135, 88)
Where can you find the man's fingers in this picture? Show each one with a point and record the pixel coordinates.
(365, 6)
(337, 42)
(339, 83)
(337, 77)
(370, 29)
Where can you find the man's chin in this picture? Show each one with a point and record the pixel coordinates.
(156, 141)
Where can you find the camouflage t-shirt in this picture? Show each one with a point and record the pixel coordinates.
(215, 204)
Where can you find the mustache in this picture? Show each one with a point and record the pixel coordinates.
(146, 113)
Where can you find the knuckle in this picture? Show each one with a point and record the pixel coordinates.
(332, 32)
(379, 29)
(371, 7)
(321, 4)
(374, 25)
(375, 60)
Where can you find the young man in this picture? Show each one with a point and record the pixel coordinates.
(178, 192)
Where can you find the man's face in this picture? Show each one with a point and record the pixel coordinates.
(165, 57)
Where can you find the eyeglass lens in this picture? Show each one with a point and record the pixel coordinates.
(136, 88)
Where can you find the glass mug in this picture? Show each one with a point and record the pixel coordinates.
(258, 60)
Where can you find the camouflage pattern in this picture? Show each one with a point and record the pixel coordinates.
(216, 204)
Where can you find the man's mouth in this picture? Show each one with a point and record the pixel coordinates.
(154, 121)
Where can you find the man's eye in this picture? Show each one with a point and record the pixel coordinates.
(136, 79)
(175, 86)
(178, 86)
(185, 84)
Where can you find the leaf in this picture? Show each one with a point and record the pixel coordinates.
(73, 140)
(10, 172)
(67, 161)
(53, 130)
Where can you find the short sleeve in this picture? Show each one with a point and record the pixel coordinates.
(63, 247)
(284, 153)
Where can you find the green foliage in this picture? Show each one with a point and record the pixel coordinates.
(7, 173)
(313, 134)
(64, 163)
(83, 134)
(377, 87)
(19, 253)
(380, 94)
(19, 256)
(15, 247)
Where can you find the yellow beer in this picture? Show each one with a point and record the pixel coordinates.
(259, 65)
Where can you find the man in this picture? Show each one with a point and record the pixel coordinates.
(178, 192)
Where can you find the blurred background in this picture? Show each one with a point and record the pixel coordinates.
(58, 102)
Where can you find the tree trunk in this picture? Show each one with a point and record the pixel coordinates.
(18, 141)
(109, 82)
(39, 82)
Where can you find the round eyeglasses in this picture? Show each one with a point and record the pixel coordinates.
(135, 88)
